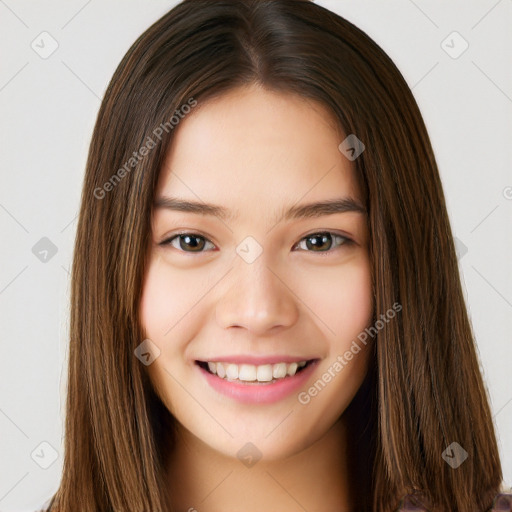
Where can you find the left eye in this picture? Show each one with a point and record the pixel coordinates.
(193, 241)
(323, 242)
(316, 242)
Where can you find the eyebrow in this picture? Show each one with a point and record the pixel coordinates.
(302, 211)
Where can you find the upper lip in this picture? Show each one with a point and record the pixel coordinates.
(256, 360)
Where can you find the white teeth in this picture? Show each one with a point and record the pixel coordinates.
(253, 373)
(265, 373)
(279, 371)
(221, 370)
(292, 369)
(247, 372)
(232, 371)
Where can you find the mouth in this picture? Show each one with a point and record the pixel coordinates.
(254, 374)
(257, 383)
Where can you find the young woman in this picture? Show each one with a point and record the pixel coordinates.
(266, 305)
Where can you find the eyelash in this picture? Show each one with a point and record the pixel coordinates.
(345, 241)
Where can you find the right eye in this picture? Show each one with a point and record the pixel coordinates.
(185, 241)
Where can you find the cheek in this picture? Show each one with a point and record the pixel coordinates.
(342, 299)
(348, 310)
(154, 309)
(168, 295)
(163, 299)
(354, 301)
(169, 316)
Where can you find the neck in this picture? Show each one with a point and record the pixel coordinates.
(204, 480)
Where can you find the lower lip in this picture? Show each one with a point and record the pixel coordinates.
(262, 393)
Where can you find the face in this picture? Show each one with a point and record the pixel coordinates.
(253, 304)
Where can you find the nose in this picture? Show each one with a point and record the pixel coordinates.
(256, 298)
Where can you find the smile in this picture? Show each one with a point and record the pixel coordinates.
(252, 373)
(256, 383)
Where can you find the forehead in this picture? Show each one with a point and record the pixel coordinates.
(257, 149)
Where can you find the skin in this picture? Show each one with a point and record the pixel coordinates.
(257, 152)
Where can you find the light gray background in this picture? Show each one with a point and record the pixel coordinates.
(48, 110)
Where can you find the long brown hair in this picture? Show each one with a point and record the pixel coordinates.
(425, 388)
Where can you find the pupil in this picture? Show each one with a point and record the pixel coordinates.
(318, 240)
(192, 241)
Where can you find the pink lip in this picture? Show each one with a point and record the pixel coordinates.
(259, 393)
(257, 360)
